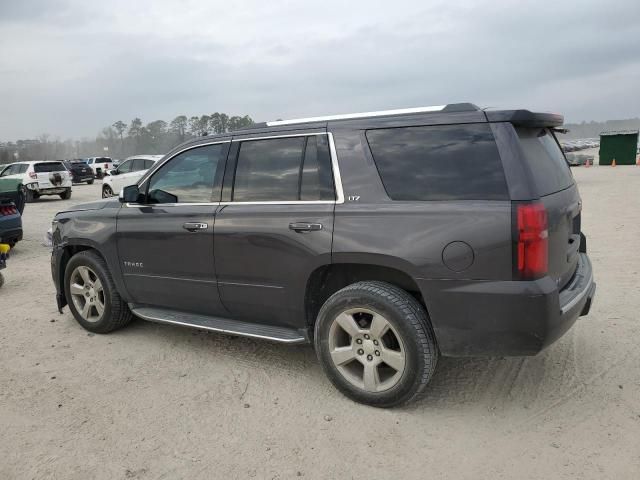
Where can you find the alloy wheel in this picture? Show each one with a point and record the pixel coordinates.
(87, 293)
(366, 349)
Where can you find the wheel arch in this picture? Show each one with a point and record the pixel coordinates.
(327, 279)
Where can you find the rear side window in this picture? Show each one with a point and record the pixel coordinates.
(23, 168)
(284, 169)
(546, 161)
(443, 162)
(49, 167)
(148, 164)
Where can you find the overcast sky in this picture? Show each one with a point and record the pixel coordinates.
(69, 68)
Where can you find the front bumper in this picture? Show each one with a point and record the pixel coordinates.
(506, 318)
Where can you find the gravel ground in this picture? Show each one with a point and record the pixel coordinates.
(161, 402)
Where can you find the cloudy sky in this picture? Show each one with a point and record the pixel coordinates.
(69, 68)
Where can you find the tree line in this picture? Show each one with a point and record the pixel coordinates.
(121, 139)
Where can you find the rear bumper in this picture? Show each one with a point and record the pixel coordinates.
(53, 191)
(511, 318)
(11, 229)
(83, 177)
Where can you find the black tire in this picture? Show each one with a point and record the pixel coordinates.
(116, 312)
(107, 191)
(66, 195)
(30, 196)
(90, 182)
(407, 317)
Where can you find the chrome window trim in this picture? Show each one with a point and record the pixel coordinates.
(160, 163)
(337, 178)
(349, 116)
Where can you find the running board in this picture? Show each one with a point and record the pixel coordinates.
(219, 324)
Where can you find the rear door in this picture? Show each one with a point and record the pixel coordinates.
(275, 226)
(558, 192)
(165, 243)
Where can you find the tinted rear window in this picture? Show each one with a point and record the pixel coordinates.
(545, 159)
(444, 162)
(49, 167)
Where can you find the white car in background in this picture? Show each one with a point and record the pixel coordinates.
(128, 173)
(41, 178)
(100, 165)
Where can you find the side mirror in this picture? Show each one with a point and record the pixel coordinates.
(129, 194)
(113, 172)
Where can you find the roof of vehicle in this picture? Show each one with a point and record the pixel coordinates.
(517, 117)
(145, 157)
(439, 114)
(31, 162)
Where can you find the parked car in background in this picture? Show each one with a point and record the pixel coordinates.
(128, 172)
(80, 171)
(12, 199)
(100, 165)
(41, 178)
(385, 239)
(10, 222)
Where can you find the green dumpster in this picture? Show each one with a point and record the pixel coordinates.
(621, 146)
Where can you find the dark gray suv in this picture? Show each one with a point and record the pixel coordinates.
(386, 239)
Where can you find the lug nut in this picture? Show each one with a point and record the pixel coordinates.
(375, 342)
(369, 357)
(366, 336)
(377, 353)
(359, 341)
(360, 352)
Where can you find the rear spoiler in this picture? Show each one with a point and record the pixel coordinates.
(525, 118)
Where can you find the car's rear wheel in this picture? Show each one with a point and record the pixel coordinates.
(106, 191)
(30, 196)
(375, 343)
(90, 182)
(92, 296)
(66, 195)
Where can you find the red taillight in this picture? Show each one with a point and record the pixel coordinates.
(33, 174)
(533, 240)
(4, 211)
(106, 165)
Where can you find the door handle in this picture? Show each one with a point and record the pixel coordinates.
(305, 227)
(195, 226)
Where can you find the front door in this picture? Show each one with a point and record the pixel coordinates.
(276, 226)
(165, 242)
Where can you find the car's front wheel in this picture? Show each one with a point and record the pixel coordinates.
(92, 296)
(375, 343)
(107, 191)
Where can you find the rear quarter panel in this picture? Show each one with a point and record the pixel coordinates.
(411, 236)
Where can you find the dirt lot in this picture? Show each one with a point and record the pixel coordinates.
(161, 402)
